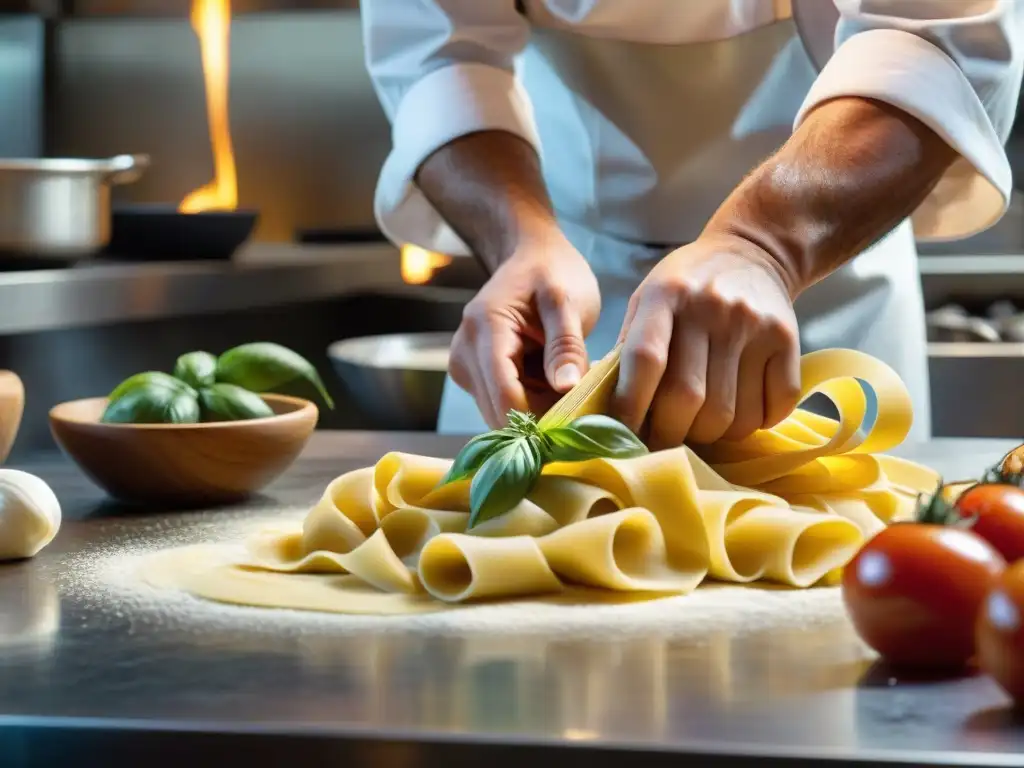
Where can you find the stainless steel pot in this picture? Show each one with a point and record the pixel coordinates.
(60, 208)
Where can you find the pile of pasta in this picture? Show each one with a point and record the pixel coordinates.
(791, 505)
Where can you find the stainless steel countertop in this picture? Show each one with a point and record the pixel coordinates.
(261, 274)
(87, 682)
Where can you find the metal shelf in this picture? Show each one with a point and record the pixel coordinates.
(969, 350)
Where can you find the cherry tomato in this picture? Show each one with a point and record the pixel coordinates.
(998, 513)
(914, 590)
(1000, 632)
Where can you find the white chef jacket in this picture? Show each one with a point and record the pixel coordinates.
(618, 176)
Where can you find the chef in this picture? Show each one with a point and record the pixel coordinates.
(719, 184)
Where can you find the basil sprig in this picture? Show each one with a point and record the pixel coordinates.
(198, 369)
(262, 366)
(505, 478)
(227, 402)
(591, 437)
(207, 388)
(505, 464)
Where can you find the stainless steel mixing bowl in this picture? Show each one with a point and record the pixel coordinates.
(396, 379)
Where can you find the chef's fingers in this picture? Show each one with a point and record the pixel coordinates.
(628, 319)
(539, 394)
(477, 387)
(681, 393)
(719, 408)
(781, 385)
(565, 354)
(532, 366)
(643, 361)
(461, 360)
(749, 414)
(497, 354)
(465, 372)
(486, 405)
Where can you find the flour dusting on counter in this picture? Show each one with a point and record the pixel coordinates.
(105, 577)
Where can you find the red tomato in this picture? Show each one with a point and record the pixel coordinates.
(998, 512)
(913, 592)
(1000, 632)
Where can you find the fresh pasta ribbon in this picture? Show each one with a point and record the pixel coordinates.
(790, 504)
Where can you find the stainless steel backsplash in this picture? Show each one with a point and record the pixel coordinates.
(21, 86)
(309, 134)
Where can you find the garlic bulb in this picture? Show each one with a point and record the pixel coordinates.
(29, 514)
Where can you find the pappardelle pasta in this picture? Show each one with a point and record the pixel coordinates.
(791, 505)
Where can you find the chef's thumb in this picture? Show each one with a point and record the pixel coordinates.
(565, 354)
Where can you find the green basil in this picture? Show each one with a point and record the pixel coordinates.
(506, 463)
(473, 454)
(263, 366)
(197, 369)
(590, 437)
(504, 479)
(520, 423)
(153, 404)
(150, 379)
(227, 402)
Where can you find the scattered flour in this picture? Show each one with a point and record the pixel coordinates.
(104, 579)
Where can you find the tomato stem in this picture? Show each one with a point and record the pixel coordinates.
(937, 510)
(1009, 470)
(940, 509)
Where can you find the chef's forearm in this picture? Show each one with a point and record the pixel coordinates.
(489, 188)
(853, 170)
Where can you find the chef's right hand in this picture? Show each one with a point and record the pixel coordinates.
(544, 297)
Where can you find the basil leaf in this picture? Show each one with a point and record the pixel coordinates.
(149, 404)
(150, 379)
(473, 454)
(521, 423)
(591, 437)
(226, 402)
(266, 367)
(504, 479)
(197, 369)
(536, 443)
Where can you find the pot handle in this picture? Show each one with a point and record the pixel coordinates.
(124, 169)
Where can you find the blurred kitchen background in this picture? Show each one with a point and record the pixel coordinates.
(300, 147)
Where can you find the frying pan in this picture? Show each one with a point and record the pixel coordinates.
(160, 233)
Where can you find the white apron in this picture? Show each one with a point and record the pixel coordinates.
(700, 116)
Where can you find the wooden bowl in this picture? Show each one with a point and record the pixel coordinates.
(184, 465)
(12, 406)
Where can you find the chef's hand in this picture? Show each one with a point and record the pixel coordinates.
(710, 349)
(543, 298)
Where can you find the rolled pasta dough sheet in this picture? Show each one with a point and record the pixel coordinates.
(789, 505)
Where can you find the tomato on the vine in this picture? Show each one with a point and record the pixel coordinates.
(995, 511)
(1000, 632)
(914, 591)
(995, 506)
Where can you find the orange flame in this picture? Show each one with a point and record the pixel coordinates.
(419, 265)
(211, 19)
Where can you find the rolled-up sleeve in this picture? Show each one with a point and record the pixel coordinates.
(954, 64)
(441, 69)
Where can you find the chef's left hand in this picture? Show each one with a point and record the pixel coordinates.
(711, 348)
